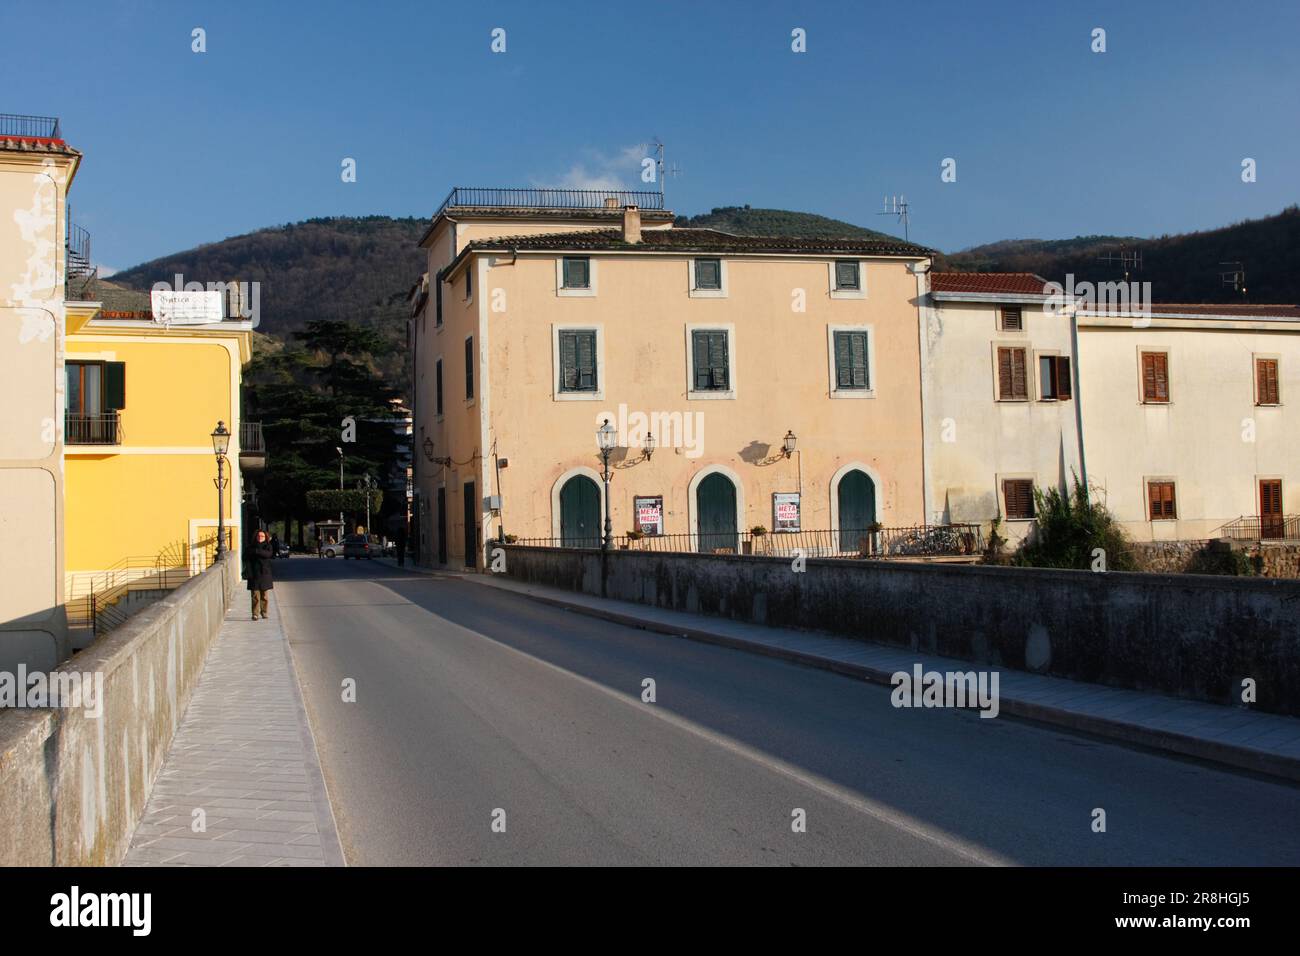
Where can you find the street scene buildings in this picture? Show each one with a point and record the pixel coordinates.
(575, 518)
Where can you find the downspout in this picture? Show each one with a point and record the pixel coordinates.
(1078, 399)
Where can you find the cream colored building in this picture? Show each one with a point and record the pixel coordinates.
(36, 169)
(549, 311)
(999, 383)
(1191, 418)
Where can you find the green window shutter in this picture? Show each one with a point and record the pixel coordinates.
(846, 275)
(718, 370)
(577, 273)
(708, 274)
(586, 360)
(858, 350)
(851, 360)
(114, 385)
(700, 343)
(568, 361)
(843, 363)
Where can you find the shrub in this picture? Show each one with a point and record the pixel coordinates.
(1068, 530)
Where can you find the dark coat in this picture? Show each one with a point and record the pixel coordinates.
(258, 567)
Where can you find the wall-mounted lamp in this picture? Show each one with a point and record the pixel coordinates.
(650, 445)
(788, 446)
(428, 448)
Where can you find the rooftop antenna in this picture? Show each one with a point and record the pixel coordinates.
(1235, 278)
(1130, 260)
(898, 206)
(662, 172)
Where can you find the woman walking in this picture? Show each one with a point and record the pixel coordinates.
(259, 574)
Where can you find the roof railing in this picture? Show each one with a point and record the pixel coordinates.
(22, 126)
(545, 198)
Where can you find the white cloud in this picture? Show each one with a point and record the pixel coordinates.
(601, 170)
(105, 271)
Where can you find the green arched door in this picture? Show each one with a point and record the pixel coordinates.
(715, 502)
(580, 513)
(857, 501)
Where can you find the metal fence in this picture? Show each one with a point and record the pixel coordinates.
(906, 542)
(549, 198)
(1262, 527)
(32, 127)
(103, 428)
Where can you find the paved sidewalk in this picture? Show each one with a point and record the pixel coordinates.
(1251, 740)
(244, 755)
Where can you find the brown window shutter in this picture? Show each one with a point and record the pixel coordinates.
(1019, 381)
(1160, 495)
(1064, 386)
(1155, 377)
(1019, 496)
(1266, 381)
(1012, 320)
(1004, 373)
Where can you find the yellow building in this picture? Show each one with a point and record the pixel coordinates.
(142, 398)
(779, 378)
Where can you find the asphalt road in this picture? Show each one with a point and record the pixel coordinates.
(474, 706)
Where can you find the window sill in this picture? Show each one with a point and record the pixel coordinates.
(576, 293)
(719, 394)
(1011, 401)
(848, 293)
(853, 393)
(708, 293)
(1268, 404)
(1019, 520)
(596, 396)
(1155, 404)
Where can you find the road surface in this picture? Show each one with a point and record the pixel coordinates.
(491, 729)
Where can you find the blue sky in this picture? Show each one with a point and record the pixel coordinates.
(1051, 140)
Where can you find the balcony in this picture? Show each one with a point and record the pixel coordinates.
(252, 448)
(101, 428)
(20, 126)
(550, 198)
(1263, 528)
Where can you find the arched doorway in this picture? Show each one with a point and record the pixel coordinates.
(715, 504)
(580, 513)
(856, 496)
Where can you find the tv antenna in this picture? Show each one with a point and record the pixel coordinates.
(1236, 277)
(898, 206)
(662, 172)
(1130, 260)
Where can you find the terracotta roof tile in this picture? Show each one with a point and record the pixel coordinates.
(31, 144)
(988, 283)
(703, 240)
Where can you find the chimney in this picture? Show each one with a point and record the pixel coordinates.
(631, 224)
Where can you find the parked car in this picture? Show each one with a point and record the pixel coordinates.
(358, 546)
(281, 549)
(330, 549)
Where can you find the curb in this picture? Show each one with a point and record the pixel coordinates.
(1232, 755)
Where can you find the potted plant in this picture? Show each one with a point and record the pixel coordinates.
(757, 543)
(634, 539)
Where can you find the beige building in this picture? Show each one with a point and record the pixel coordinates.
(550, 312)
(1191, 420)
(999, 383)
(36, 170)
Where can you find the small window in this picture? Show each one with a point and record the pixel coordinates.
(469, 368)
(851, 370)
(1266, 384)
(1054, 377)
(710, 372)
(848, 275)
(438, 287)
(708, 274)
(469, 281)
(1018, 493)
(577, 360)
(1161, 503)
(577, 273)
(1012, 319)
(437, 376)
(1013, 385)
(1155, 377)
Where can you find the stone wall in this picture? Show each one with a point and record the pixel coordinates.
(1193, 636)
(73, 785)
(1269, 559)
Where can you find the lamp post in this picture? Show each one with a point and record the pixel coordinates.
(367, 484)
(220, 445)
(605, 437)
(340, 451)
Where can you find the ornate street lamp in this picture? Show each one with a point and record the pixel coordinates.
(221, 445)
(788, 445)
(606, 435)
(650, 445)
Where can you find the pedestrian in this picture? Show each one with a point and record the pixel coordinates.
(401, 546)
(275, 546)
(258, 572)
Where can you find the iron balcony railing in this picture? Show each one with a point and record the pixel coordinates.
(251, 441)
(29, 127)
(537, 198)
(919, 541)
(100, 428)
(1262, 527)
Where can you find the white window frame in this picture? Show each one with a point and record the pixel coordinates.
(586, 293)
(836, 291)
(707, 293)
(710, 395)
(836, 391)
(561, 396)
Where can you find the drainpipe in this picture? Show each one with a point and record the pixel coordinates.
(1078, 399)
